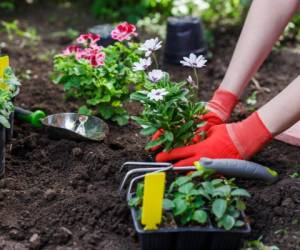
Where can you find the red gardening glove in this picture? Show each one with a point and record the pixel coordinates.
(236, 140)
(154, 137)
(220, 108)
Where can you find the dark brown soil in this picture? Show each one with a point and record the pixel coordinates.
(60, 194)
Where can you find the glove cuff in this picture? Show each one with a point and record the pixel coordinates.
(222, 103)
(249, 136)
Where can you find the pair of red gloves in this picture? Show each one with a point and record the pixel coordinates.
(239, 140)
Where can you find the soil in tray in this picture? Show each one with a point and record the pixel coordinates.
(63, 194)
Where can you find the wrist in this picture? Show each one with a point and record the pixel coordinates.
(222, 103)
(249, 135)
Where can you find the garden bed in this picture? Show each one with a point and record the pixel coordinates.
(63, 194)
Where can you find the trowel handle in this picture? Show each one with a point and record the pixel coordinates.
(34, 118)
(240, 168)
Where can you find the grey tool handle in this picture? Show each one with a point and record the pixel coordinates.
(240, 168)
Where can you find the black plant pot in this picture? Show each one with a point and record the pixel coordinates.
(9, 131)
(184, 36)
(2, 149)
(190, 238)
(103, 30)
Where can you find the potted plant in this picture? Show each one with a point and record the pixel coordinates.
(102, 78)
(200, 211)
(9, 88)
(169, 107)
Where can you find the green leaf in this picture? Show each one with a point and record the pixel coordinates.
(222, 191)
(180, 206)
(155, 143)
(240, 192)
(140, 190)
(200, 216)
(4, 122)
(228, 222)
(186, 188)
(168, 204)
(219, 207)
(239, 223)
(240, 205)
(106, 111)
(169, 136)
(84, 110)
(182, 180)
(148, 131)
(121, 119)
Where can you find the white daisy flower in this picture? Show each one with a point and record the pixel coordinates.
(142, 64)
(150, 46)
(193, 61)
(157, 94)
(156, 75)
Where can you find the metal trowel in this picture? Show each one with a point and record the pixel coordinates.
(71, 126)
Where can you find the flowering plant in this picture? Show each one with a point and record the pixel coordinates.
(101, 77)
(168, 106)
(9, 88)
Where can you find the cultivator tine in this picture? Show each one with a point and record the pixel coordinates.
(144, 168)
(137, 164)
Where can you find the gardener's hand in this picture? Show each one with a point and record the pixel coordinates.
(154, 137)
(220, 108)
(236, 140)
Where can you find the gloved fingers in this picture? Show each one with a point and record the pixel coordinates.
(187, 162)
(154, 137)
(175, 154)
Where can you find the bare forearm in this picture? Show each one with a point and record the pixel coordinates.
(264, 24)
(283, 111)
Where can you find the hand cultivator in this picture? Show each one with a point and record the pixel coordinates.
(227, 167)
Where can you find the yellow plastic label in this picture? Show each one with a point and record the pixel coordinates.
(154, 187)
(4, 63)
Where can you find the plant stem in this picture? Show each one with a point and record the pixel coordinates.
(197, 79)
(155, 60)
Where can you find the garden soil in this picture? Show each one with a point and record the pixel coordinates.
(63, 195)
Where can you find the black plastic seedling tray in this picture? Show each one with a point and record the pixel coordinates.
(190, 238)
(2, 149)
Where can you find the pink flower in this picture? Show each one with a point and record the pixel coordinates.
(87, 53)
(123, 31)
(97, 59)
(88, 38)
(72, 49)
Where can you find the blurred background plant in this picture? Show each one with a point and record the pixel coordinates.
(151, 15)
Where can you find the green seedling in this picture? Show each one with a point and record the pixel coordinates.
(258, 245)
(196, 197)
(29, 36)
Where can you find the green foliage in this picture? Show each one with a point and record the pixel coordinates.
(131, 10)
(105, 89)
(9, 88)
(177, 114)
(197, 197)
(29, 35)
(258, 245)
(8, 5)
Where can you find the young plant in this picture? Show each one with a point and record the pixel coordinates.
(225, 202)
(198, 198)
(9, 88)
(29, 36)
(168, 106)
(101, 77)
